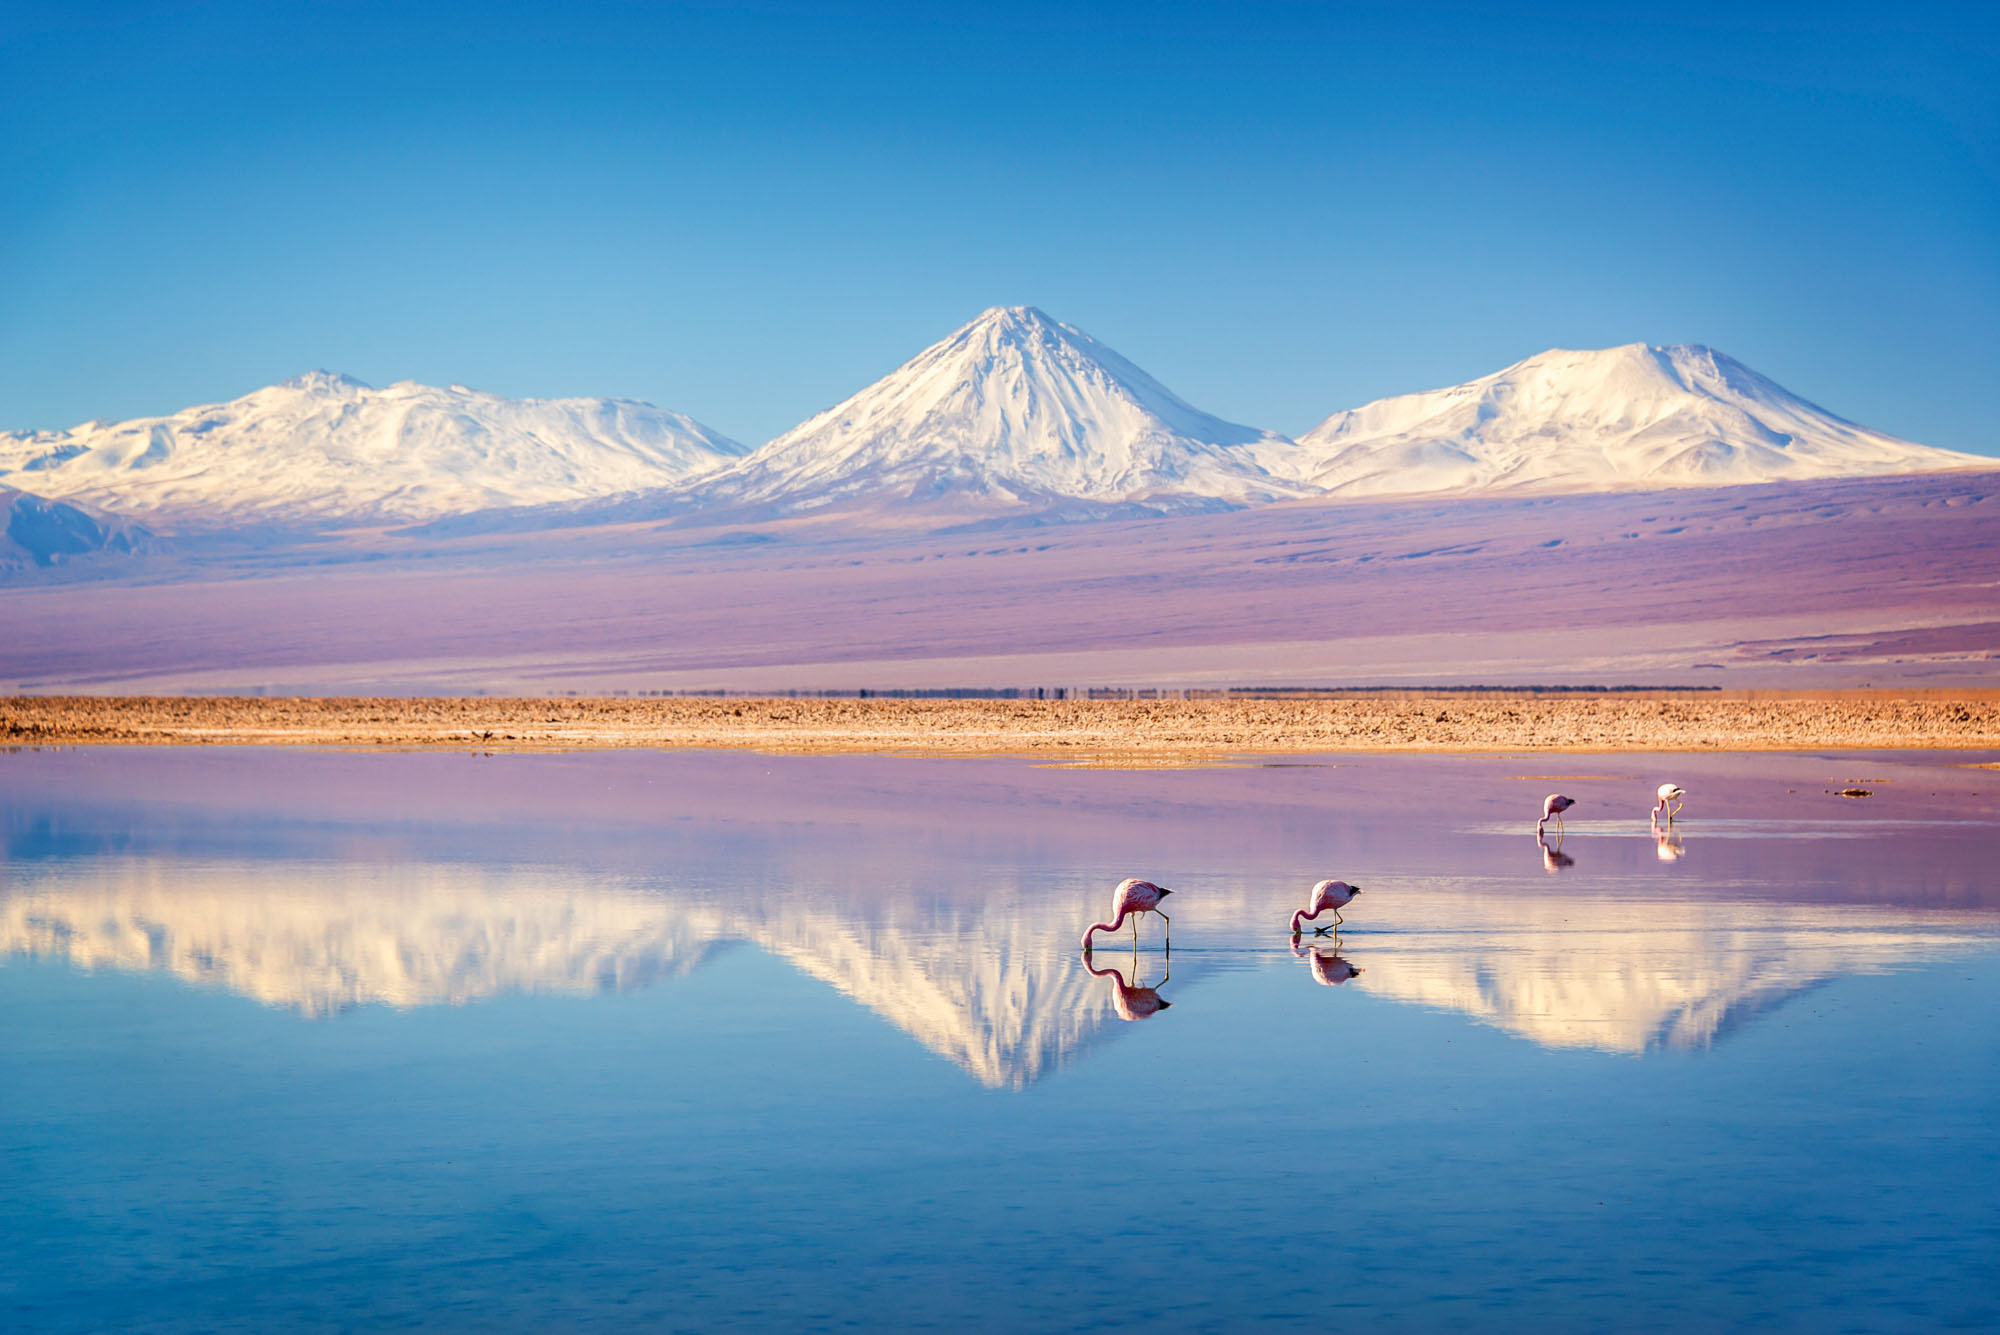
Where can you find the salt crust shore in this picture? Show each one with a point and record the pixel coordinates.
(1116, 732)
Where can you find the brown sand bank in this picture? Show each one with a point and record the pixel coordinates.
(1159, 731)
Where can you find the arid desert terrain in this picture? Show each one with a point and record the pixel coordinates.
(1156, 730)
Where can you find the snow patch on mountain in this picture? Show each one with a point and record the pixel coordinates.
(1627, 418)
(326, 448)
(1013, 409)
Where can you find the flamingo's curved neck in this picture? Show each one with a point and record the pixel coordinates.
(1111, 926)
(1301, 916)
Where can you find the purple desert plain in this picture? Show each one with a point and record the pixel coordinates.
(1889, 581)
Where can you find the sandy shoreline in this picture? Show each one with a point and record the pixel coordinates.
(1084, 731)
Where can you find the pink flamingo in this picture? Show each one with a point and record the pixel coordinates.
(1552, 809)
(1327, 895)
(1670, 793)
(1131, 1003)
(1328, 970)
(1132, 897)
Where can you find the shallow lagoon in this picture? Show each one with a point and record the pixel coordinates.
(328, 1041)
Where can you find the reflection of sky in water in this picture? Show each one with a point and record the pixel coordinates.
(597, 1037)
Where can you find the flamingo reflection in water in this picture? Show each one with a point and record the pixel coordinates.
(1668, 845)
(1326, 897)
(1328, 967)
(1553, 857)
(1130, 1001)
(1132, 897)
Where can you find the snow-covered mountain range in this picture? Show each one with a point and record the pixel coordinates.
(1014, 413)
(325, 448)
(1615, 419)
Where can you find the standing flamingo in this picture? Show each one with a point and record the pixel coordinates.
(1552, 808)
(1132, 897)
(1327, 895)
(1669, 793)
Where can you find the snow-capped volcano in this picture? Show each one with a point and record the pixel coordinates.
(1625, 418)
(326, 448)
(1013, 408)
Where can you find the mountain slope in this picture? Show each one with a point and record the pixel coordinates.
(326, 448)
(1632, 417)
(37, 531)
(1013, 409)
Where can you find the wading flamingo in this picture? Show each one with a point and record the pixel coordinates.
(1132, 897)
(1131, 1003)
(1552, 809)
(1670, 801)
(1327, 895)
(1328, 968)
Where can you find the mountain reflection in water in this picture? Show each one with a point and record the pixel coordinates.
(990, 981)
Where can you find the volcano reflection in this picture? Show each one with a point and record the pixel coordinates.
(991, 981)
(992, 984)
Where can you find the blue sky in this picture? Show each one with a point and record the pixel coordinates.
(747, 211)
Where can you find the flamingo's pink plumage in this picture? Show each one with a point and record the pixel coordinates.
(1133, 896)
(1327, 896)
(1553, 807)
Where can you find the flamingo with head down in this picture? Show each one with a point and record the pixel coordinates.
(1132, 897)
(1327, 896)
(1553, 807)
(1670, 801)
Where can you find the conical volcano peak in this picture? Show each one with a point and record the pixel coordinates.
(1025, 327)
(1012, 408)
(1013, 316)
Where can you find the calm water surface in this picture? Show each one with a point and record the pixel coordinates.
(324, 1041)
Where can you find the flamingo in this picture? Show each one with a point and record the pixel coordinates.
(1554, 859)
(1131, 1003)
(1132, 897)
(1328, 970)
(1670, 793)
(1327, 895)
(1553, 806)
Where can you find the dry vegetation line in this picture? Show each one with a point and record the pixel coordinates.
(1074, 730)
